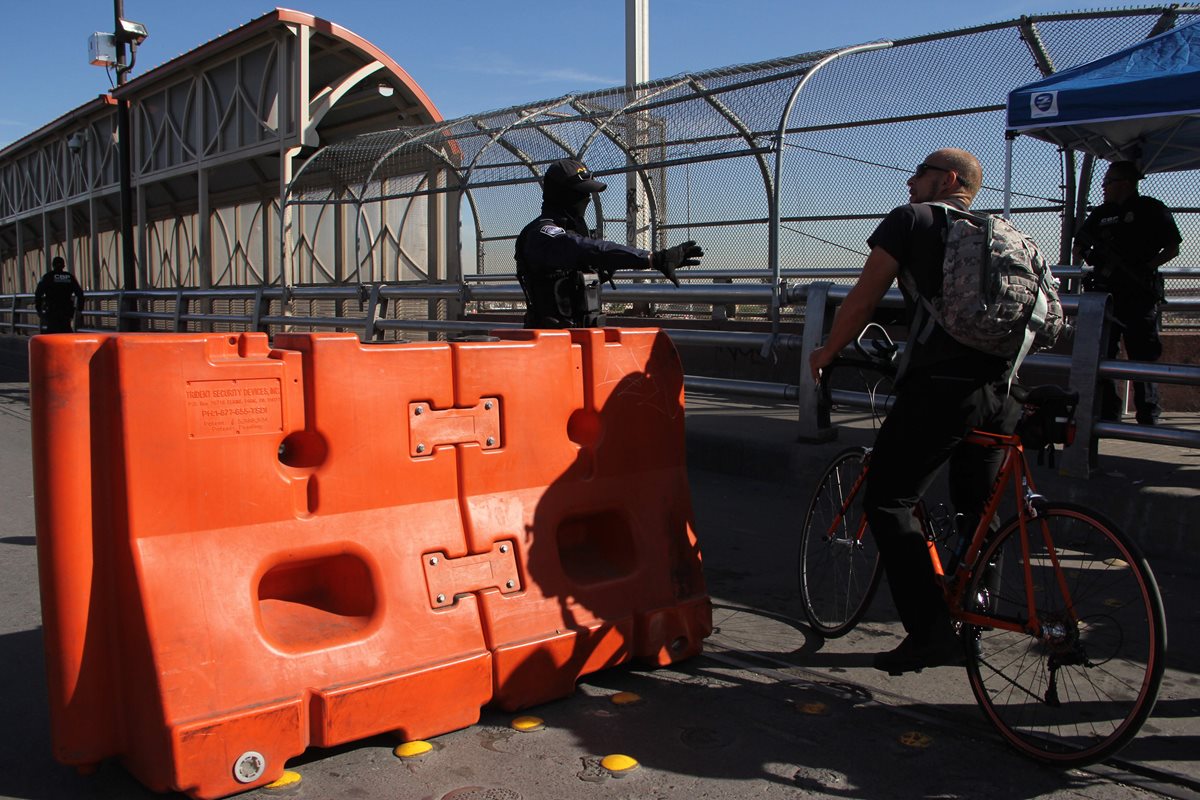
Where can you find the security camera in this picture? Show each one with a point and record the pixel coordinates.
(76, 141)
(133, 32)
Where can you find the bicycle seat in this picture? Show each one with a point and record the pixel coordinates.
(1049, 417)
(1048, 394)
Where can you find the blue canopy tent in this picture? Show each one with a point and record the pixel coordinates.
(1140, 104)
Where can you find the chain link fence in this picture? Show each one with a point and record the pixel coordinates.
(780, 169)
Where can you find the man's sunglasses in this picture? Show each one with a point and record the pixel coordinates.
(922, 168)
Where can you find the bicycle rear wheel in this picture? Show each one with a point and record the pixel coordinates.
(838, 567)
(1082, 687)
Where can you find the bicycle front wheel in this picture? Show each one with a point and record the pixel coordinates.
(838, 567)
(1079, 687)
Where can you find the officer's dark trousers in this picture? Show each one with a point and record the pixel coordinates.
(923, 431)
(1138, 329)
(59, 322)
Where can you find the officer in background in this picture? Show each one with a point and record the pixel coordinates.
(57, 297)
(561, 265)
(1126, 239)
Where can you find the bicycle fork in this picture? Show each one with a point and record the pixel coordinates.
(1058, 633)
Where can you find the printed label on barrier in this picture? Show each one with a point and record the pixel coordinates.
(234, 408)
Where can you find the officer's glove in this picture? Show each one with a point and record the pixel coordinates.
(681, 255)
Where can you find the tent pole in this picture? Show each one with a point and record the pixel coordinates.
(1008, 145)
(1068, 217)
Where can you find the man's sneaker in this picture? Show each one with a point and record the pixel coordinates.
(943, 650)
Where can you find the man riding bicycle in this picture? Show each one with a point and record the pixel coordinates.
(946, 389)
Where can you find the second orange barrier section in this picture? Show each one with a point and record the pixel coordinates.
(248, 550)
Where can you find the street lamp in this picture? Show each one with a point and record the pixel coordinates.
(132, 34)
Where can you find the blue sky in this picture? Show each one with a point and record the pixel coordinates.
(470, 55)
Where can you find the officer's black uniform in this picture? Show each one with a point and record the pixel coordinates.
(559, 263)
(1134, 232)
(56, 297)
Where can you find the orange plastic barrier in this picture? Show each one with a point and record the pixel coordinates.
(246, 551)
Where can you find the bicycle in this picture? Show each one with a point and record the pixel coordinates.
(1061, 619)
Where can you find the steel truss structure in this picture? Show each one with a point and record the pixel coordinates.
(217, 134)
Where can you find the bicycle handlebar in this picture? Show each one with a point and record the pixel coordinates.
(1049, 409)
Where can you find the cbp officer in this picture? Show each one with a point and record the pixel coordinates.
(57, 297)
(560, 264)
(1127, 238)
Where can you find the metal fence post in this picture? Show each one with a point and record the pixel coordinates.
(372, 311)
(181, 309)
(812, 427)
(1091, 334)
(260, 309)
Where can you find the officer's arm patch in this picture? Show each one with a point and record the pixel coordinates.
(552, 230)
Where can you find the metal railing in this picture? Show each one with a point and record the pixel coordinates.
(273, 309)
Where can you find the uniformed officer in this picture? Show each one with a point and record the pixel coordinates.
(56, 298)
(1126, 239)
(560, 264)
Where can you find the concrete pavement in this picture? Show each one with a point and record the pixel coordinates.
(768, 711)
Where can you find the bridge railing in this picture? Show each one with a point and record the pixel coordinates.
(364, 310)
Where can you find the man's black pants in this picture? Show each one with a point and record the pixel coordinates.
(923, 431)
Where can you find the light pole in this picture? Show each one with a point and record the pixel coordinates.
(131, 33)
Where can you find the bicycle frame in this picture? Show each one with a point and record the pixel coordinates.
(1014, 471)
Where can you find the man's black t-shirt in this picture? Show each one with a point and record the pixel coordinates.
(914, 235)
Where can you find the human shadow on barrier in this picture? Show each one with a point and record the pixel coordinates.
(612, 568)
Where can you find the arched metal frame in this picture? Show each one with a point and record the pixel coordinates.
(374, 151)
(748, 111)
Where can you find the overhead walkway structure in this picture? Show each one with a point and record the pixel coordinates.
(217, 134)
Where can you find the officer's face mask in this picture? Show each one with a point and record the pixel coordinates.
(570, 200)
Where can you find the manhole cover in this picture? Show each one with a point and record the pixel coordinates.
(482, 793)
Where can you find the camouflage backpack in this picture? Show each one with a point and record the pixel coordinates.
(998, 294)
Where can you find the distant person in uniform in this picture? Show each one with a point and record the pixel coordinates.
(561, 264)
(1126, 239)
(57, 298)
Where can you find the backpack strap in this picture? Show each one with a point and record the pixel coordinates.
(925, 319)
(1037, 317)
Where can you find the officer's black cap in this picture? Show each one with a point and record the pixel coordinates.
(567, 173)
